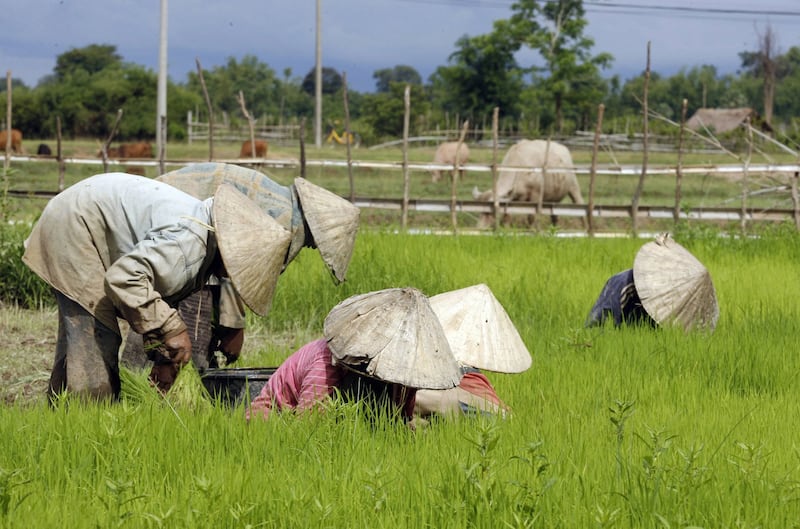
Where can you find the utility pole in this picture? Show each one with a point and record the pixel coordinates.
(161, 98)
(318, 81)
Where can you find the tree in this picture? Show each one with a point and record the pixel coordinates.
(399, 74)
(91, 59)
(331, 81)
(255, 79)
(764, 64)
(555, 30)
(384, 112)
(482, 74)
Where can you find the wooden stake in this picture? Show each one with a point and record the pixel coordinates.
(495, 200)
(676, 214)
(210, 110)
(637, 195)
(593, 170)
(406, 118)
(454, 180)
(348, 138)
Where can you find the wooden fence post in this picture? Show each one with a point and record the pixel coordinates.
(104, 146)
(454, 179)
(796, 201)
(348, 138)
(593, 170)
(59, 156)
(746, 173)
(210, 110)
(676, 214)
(645, 114)
(7, 161)
(495, 199)
(303, 147)
(406, 118)
(250, 124)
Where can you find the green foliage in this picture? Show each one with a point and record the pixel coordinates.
(399, 74)
(710, 441)
(384, 112)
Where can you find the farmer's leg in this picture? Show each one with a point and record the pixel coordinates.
(86, 354)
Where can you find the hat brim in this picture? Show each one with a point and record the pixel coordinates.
(252, 244)
(392, 335)
(480, 332)
(674, 287)
(333, 222)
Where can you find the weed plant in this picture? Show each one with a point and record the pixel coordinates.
(611, 427)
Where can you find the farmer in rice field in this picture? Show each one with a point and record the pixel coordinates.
(315, 218)
(667, 285)
(124, 246)
(363, 336)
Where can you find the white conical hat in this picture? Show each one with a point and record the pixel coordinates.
(674, 286)
(392, 335)
(480, 332)
(252, 244)
(333, 222)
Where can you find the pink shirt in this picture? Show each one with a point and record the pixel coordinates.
(302, 380)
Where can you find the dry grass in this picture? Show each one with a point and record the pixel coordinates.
(26, 353)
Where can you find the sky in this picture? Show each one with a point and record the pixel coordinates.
(361, 36)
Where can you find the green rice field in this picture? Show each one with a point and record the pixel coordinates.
(612, 427)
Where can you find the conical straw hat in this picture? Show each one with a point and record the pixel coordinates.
(333, 222)
(201, 180)
(674, 286)
(480, 332)
(392, 335)
(252, 244)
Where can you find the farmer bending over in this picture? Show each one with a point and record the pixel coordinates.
(123, 246)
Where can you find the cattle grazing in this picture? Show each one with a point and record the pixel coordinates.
(546, 174)
(247, 149)
(16, 141)
(142, 149)
(450, 152)
(44, 150)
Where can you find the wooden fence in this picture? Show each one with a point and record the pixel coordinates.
(280, 134)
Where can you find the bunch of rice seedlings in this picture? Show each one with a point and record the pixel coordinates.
(136, 386)
(188, 390)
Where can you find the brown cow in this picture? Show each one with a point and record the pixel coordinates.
(130, 150)
(16, 141)
(247, 149)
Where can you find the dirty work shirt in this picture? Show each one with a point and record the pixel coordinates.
(620, 300)
(302, 380)
(125, 246)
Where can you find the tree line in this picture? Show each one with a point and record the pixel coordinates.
(557, 96)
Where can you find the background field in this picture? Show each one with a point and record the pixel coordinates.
(611, 427)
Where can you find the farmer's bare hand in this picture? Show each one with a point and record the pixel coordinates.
(179, 348)
(230, 343)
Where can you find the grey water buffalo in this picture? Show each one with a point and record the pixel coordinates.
(553, 180)
(447, 153)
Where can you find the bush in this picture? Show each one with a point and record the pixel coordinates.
(18, 284)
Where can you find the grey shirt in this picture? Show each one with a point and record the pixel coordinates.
(124, 246)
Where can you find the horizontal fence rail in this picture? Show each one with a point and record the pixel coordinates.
(732, 214)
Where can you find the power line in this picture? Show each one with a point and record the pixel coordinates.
(616, 7)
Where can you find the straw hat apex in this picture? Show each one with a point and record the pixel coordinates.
(333, 222)
(252, 244)
(392, 335)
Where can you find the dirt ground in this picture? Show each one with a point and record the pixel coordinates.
(26, 353)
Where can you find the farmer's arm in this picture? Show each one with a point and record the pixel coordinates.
(158, 267)
(231, 321)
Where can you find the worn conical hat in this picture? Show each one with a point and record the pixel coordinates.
(333, 222)
(252, 244)
(674, 286)
(480, 332)
(392, 335)
(201, 180)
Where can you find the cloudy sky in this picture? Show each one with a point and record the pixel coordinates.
(361, 36)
